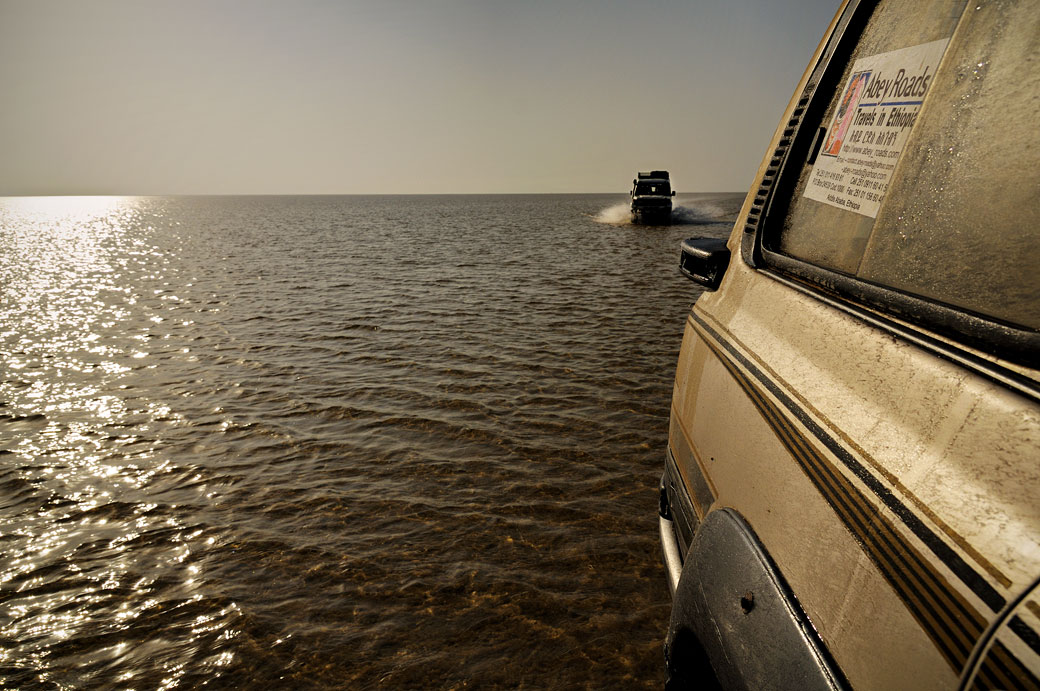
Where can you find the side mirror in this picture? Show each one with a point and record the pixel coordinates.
(704, 261)
(673, 193)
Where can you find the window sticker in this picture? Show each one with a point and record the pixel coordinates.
(877, 110)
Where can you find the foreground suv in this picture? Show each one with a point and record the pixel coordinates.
(852, 490)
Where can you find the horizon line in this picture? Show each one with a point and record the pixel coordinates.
(331, 194)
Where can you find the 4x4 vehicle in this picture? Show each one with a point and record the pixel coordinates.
(852, 490)
(652, 197)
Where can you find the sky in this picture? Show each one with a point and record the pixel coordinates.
(393, 96)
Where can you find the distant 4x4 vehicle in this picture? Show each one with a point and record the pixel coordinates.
(652, 197)
(852, 490)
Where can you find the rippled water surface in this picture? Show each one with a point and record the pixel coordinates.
(324, 442)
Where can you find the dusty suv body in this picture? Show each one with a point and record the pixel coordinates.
(852, 490)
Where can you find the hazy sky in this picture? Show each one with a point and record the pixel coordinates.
(393, 96)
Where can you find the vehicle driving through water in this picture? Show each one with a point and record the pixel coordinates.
(652, 197)
(850, 496)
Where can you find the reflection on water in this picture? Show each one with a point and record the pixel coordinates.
(96, 563)
(334, 441)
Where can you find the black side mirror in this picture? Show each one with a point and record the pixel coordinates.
(704, 261)
(673, 193)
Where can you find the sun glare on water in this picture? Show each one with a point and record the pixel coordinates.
(65, 207)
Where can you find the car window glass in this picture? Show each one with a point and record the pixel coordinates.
(961, 224)
(937, 200)
(822, 233)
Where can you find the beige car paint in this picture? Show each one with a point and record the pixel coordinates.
(957, 449)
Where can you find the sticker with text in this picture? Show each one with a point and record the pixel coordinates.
(877, 111)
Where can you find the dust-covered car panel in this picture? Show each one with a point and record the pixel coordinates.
(861, 392)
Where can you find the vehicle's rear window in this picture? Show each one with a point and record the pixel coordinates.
(925, 179)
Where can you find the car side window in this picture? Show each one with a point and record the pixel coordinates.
(962, 220)
(921, 176)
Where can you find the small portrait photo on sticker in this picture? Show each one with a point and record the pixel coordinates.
(846, 111)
